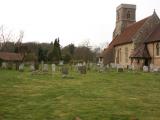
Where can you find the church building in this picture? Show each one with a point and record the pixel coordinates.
(134, 42)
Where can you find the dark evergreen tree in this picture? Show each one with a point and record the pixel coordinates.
(54, 54)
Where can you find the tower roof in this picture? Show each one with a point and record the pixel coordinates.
(126, 6)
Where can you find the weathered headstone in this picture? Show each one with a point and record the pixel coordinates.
(82, 69)
(120, 68)
(10, 66)
(45, 68)
(113, 65)
(107, 66)
(4, 65)
(21, 67)
(101, 67)
(64, 71)
(145, 69)
(61, 62)
(130, 67)
(32, 68)
(151, 68)
(53, 67)
(84, 64)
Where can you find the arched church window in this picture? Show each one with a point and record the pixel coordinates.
(128, 14)
(158, 49)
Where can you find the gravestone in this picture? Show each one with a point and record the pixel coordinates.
(113, 65)
(4, 65)
(64, 71)
(120, 68)
(130, 67)
(84, 64)
(151, 68)
(53, 68)
(145, 69)
(101, 67)
(10, 66)
(82, 69)
(32, 68)
(107, 66)
(42, 64)
(21, 67)
(45, 68)
(61, 62)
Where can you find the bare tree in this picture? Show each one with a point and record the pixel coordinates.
(4, 37)
(18, 42)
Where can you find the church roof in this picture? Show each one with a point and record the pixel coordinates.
(127, 35)
(155, 35)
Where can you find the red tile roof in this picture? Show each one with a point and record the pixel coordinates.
(129, 32)
(155, 35)
(8, 56)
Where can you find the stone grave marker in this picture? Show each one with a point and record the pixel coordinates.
(64, 71)
(120, 68)
(61, 62)
(53, 68)
(4, 65)
(32, 68)
(145, 69)
(101, 67)
(82, 69)
(151, 68)
(113, 65)
(45, 68)
(21, 67)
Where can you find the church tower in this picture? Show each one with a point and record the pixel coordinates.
(125, 16)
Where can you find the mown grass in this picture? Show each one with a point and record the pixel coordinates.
(94, 96)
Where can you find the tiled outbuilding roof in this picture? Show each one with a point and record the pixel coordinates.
(8, 56)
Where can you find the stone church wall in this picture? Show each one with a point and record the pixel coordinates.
(152, 51)
(123, 60)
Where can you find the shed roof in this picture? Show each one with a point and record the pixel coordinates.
(9, 56)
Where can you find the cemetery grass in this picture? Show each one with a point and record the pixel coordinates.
(94, 96)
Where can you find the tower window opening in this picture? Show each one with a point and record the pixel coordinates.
(128, 14)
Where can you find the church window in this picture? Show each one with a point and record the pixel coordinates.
(128, 14)
(126, 54)
(158, 49)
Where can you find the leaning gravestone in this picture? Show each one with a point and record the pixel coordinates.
(64, 71)
(32, 68)
(4, 65)
(53, 68)
(145, 69)
(21, 67)
(45, 68)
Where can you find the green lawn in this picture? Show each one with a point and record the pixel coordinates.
(94, 96)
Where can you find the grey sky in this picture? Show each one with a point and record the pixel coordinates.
(74, 21)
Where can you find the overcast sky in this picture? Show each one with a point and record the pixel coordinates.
(73, 21)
